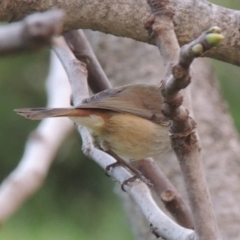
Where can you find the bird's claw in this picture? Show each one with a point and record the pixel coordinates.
(138, 176)
(107, 169)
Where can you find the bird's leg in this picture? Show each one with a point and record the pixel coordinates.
(120, 161)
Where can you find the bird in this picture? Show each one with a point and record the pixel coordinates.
(125, 120)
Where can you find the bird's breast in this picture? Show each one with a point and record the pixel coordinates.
(133, 137)
(129, 136)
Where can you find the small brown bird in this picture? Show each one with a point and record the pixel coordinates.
(126, 120)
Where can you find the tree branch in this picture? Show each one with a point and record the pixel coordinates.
(33, 32)
(182, 130)
(141, 194)
(166, 192)
(125, 18)
(97, 79)
(40, 148)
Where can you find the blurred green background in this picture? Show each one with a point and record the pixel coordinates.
(75, 187)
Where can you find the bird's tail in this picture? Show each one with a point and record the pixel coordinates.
(41, 113)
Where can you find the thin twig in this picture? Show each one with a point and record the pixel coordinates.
(162, 225)
(32, 32)
(97, 79)
(183, 134)
(166, 191)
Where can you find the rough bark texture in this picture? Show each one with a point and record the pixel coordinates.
(126, 61)
(125, 18)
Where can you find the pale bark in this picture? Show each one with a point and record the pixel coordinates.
(126, 18)
(40, 149)
(167, 193)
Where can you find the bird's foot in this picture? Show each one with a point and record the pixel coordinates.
(107, 169)
(138, 175)
(136, 172)
(153, 231)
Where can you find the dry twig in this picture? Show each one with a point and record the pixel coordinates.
(97, 79)
(166, 192)
(183, 134)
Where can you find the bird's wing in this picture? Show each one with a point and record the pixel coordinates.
(142, 100)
